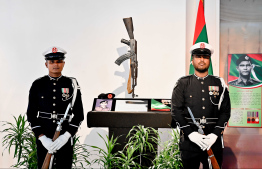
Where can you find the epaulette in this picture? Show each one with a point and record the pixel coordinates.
(215, 76)
(40, 78)
(183, 77)
(223, 83)
(72, 78)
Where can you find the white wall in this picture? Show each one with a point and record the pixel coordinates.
(212, 16)
(90, 31)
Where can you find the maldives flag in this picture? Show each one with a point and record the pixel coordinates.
(256, 73)
(200, 34)
(157, 105)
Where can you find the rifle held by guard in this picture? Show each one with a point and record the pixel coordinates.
(48, 156)
(210, 153)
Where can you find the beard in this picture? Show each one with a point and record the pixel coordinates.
(201, 69)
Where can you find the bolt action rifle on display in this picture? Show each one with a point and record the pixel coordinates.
(132, 55)
(210, 153)
(49, 156)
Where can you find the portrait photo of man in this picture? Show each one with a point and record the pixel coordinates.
(245, 68)
(103, 105)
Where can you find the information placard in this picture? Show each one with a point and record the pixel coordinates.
(245, 81)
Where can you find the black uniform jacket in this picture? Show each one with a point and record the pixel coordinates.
(202, 96)
(49, 97)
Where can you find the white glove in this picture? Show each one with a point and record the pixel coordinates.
(46, 142)
(211, 139)
(199, 139)
(60, 141)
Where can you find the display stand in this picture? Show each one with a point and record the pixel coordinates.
(120, 123)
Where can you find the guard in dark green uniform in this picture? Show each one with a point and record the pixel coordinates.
(208, 98)
(49, 97)
(244, 67)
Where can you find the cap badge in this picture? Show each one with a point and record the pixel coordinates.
(54, 50)
(202, 45)
(246, 57)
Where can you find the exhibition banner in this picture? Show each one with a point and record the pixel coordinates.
(245, 81)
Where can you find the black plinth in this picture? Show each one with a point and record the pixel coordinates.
(128, 119)
(120, 123)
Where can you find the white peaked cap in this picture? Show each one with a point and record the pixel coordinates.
(202, 46)
(54, 49)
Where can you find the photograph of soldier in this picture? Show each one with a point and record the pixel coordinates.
(103, 105)
(245, 68)
(49, 97)
(208, 98)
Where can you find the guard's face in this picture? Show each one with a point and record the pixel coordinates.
(201, 63)
(55, 66)
(244, 68)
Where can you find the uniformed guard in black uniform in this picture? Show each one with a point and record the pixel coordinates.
(49, 97)
(208, 98)
(244, 67)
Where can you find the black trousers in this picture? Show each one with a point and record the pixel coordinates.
(192, 160)
(63, 158)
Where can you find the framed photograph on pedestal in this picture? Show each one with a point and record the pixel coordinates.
(103, 105)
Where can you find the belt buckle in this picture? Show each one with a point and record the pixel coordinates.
(53, 116)
(203, 121)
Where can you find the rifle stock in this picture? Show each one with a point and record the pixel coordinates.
(129, 82)
(48, 155)
(213, 159)
(47, 161)
(56, 135)
(129, 27)
(210, 153)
